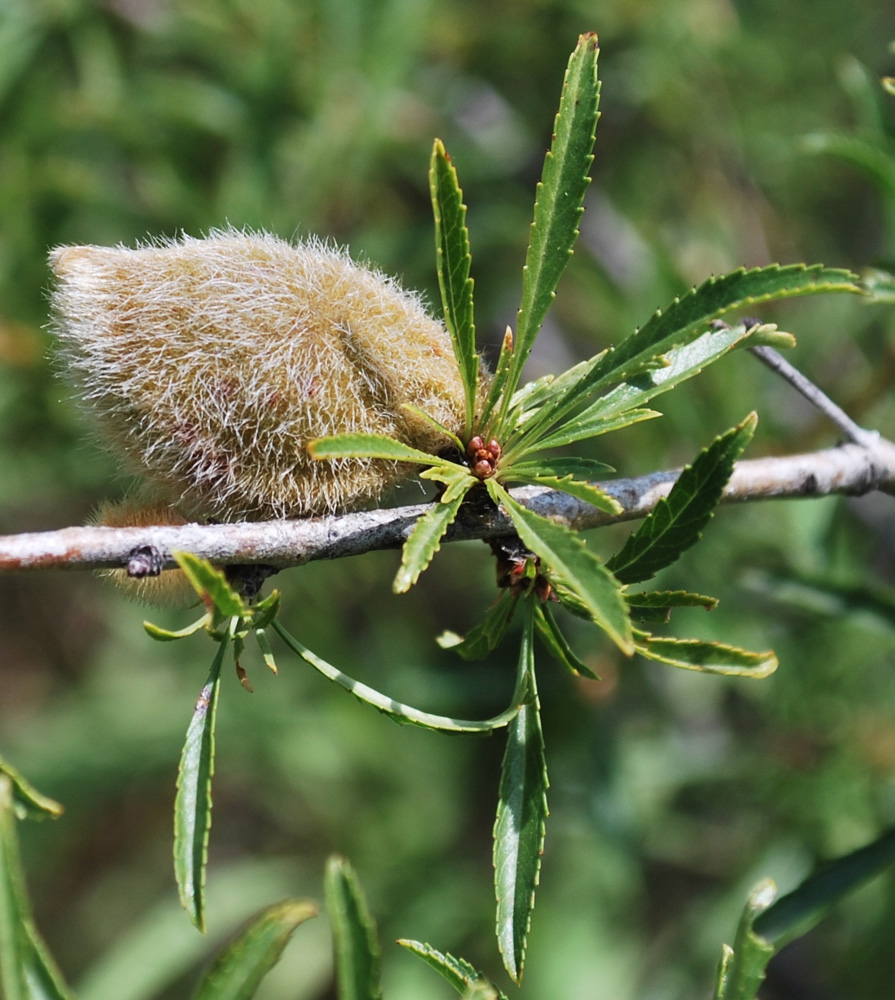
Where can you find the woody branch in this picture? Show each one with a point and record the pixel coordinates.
(853, 468)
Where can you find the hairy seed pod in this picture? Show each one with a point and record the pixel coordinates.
(209, 365)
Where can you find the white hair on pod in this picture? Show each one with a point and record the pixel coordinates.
(209, 364)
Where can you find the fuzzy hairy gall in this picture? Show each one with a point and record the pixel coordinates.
(209, 364)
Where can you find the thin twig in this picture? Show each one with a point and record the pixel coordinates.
(849, 469)
(816, 396)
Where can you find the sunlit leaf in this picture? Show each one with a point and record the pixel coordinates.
(210, 584)
(239, 968)
(192, 805)
(456, 971)
(588, 492)
(424, 541)
(676, 522)
(454, 261)
(369, 446)
(559, 198)
(688, 318)
(388, 706)
(355, 942)
(707, 657)
(521, 818)
(165, 635)
(654, 607)
(27, 801)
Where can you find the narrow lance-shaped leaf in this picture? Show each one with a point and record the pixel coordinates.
(456, 971)
(370, 446)
(521, 817)
(192, 805)
(355, 942)
(388, 706)
(688, 317)
(676, 522)
(239, 968)
(706, 657)
(573, 566)
(623, 404)
(27, 801)
(210, 584)
(560, 195)
(454, 262)
(424, 542)
(552, 637)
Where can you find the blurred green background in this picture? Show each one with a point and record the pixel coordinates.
(671, 793)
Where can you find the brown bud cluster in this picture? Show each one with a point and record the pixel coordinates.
(483, 457)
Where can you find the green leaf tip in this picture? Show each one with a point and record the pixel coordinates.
(454, 261)
(27, 801)
(238, 970)
(464, 978)
(356, 949)
(559, 201)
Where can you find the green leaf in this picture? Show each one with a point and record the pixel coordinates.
(688, 317)
(165, 635)
(707, 657)
(795, 914)
(676, 522)
(742, 972)
(210, 584)
(498, 382)
(456, 971)
(424, 541)
(264, 612)
(192, 805)
(521, 817)
(27, 970)
(239, 968)
(388, 706)
(439, 428)
(588, 492)
(572, 566)
(552, 637)
(370, 446)
(583, 426)
(456, 478)
(27, 801)
(355, 943)
(454, 261)
(683, 362)
(486, 636)
(654, 607)
(583, 468)
(560, 196)
(266, 650)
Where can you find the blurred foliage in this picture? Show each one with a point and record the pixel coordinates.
(671, 794)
